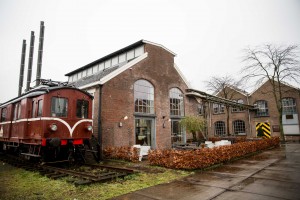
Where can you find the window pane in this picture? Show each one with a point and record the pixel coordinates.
(144, 97)
(176, 102)
(3, 114)
(59, 107)
(40, 108)
(33, 109)
(220, 128)
(82, 108)
(289, 106)
(239, 127)
(262, 108)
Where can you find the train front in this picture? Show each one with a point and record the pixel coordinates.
(68, 128)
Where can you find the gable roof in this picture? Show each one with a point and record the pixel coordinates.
(102, 77)
(267, 80)
(118, 52)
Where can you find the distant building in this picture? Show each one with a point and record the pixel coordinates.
(264, 116)
(139, 96)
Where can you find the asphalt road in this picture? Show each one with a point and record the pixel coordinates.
(273, 174)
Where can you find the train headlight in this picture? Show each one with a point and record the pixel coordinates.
(53, 127)
(89, 127)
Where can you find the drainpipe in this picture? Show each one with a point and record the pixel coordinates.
(100, 155)
(249, 117)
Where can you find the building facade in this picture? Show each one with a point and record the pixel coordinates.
(139, 96)
(264, 116)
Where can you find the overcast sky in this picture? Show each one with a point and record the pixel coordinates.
(207, 36)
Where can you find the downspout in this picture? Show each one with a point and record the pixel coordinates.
(100, 154)
(249, 117)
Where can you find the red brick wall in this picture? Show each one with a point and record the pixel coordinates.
(118, 99)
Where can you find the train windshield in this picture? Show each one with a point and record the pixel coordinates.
(82, 108)
(59, 107)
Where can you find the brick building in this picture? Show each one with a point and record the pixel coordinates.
(139, 96)
(248, 121)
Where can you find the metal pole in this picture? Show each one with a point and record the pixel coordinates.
(29, 72)
(40, 54)
(22, 67)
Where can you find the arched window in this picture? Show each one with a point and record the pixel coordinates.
(288, 106)
(220, 128)
(261, 108)
(143, 97)
(176, 102)
(239, 127)
(238, 109)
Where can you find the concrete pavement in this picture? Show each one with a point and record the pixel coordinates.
(273, 174)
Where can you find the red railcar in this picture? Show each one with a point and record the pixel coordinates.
(52, 123)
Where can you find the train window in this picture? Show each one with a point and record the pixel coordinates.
(82, 108)
(59, 107)
(3, 114)
(33, 109)
(40, 108)
(17, 111)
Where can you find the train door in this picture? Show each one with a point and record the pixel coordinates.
(34, 125)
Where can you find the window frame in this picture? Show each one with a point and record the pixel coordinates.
(67, 107)
(219, 126)
(239, 126)
(85, 114)
(289, 108)
(143, 97)
(3, 112)
(262, 108)
(176, 104)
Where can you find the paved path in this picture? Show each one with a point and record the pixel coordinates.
(274, 174)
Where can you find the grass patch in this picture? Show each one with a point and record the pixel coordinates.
(21, 184)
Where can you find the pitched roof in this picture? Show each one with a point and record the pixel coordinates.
(118, 52)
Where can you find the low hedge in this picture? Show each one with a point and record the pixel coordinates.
(203, 158)
(123, 153)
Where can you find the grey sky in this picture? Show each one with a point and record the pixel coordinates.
(207, 36)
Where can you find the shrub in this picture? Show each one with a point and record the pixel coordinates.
(203, 158)
(123, 153)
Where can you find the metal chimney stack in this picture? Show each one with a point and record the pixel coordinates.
(29, 72)
(22, 67)
(40, 54)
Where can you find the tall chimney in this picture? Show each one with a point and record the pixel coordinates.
(40, 54)
(22, 67)
(30, 61)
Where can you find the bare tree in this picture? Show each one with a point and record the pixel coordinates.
(277, 64)
(225, 87)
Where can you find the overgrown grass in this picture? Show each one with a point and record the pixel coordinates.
(21, 184)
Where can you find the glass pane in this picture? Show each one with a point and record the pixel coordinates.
(33, 109)
(59, 107)
(144, 97)
(143, 130)
(40, 108)
(177, 132)
(82, 107)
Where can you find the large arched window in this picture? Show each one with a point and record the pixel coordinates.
(239, 127)
(143, 97)
(288, 106)
(176, 102)
(220, 128)
(261, 108)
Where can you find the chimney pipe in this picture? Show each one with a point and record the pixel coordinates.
(30, 61)
(22, 67)
(40, 54)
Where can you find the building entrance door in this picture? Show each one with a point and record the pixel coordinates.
(145, 132)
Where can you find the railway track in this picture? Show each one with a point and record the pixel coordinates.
(83, 175)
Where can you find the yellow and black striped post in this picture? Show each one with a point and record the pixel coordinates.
(263, 130)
